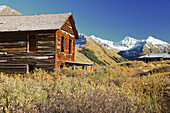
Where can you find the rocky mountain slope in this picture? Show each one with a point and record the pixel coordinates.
(88, 50)
(5, 10)
(141, 47)
(131, 48)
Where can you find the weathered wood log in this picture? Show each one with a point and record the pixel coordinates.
(45, 38)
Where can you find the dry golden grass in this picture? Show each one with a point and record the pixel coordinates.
(79, 57)
(107, 89)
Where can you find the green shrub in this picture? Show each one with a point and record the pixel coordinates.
(118, 59)
(106, 62)
(90, 55)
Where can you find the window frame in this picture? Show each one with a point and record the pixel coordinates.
(62, 44)
(32, 37)
(70, 46)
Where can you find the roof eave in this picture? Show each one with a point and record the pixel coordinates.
(29, 30)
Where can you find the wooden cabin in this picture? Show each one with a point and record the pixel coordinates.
(154, 57)
(36, 41)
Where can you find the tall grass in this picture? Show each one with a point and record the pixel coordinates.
(107, 89)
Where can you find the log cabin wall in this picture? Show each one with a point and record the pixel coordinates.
(15, 56)
(11, 48)
(68, 31)
(61, 57)
(46, 50)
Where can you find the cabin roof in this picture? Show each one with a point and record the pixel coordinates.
(156, 55)
(33, 22)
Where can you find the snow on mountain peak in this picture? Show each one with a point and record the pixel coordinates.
(101, 40)
(155, 41)
(150, 38)
(129, 38)
(81, 42)
(92, 36)
(129, 43)
(2, 8)
(129, 47)
(126, 43)
(5, 10)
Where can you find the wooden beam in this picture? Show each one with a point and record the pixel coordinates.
(27, 43)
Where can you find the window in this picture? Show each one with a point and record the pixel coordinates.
(70, 46)
(31, 68)
(61, 66)
(32, 43)
(62, 43)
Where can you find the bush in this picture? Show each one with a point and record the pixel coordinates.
(107, 89)
(118, 59)
(90, 55)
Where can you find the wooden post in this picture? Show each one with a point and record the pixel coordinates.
(55, 56)
(27, 66)
(85, 67)
(28, 43)
(74, 67)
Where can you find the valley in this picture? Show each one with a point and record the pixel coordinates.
(119, 82)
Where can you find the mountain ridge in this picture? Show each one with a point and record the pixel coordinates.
(5, 10)
(132, 48)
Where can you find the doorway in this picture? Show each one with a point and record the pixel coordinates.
(31, 68)
(32, 43)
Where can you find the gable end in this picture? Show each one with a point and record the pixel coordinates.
(69, 27)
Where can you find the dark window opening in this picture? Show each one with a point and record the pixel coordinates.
(61, 66)
(70, 46)
(62, 43)
(31, 68)
(32, 43)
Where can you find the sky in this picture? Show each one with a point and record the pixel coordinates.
(108, 19)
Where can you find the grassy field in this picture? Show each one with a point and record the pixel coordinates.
(118, 88)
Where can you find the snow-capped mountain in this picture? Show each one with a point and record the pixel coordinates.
(81, 42)
(131, 48)
(134, 52)
(106, 43)
(5, 10)
(156, 42)
(125, 44)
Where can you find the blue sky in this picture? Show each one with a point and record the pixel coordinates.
(108, 19)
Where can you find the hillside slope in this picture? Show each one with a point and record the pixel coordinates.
(5, 10)
(88, 50)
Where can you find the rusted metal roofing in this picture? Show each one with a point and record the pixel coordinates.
(33, 22)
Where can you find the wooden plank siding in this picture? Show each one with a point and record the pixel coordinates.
(61, 57)
(14, 52)
(13, 68)
(68, 27)
(90, 68)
